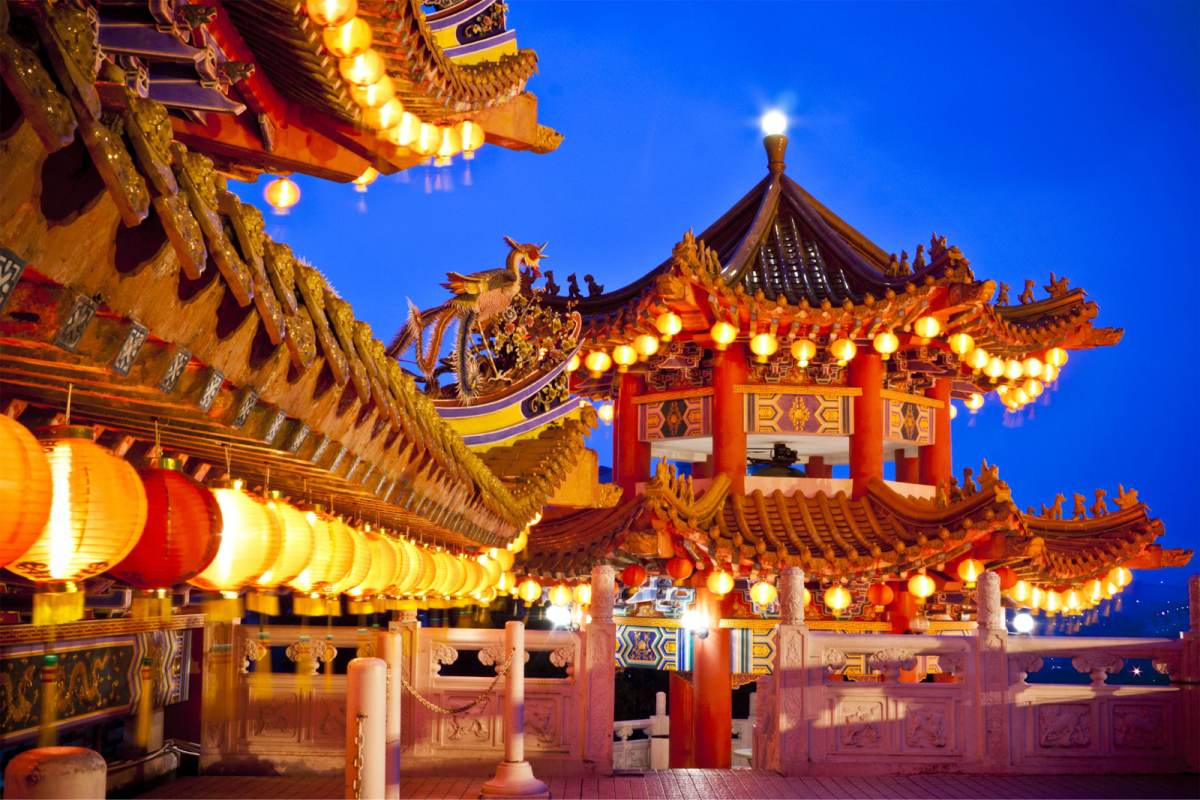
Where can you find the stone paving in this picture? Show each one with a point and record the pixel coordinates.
(679, 784)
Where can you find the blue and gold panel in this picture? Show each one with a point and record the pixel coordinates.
(752, 650)
(807, 414)
(905, 421)
(676, 418)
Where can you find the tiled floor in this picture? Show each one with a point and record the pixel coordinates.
(694, 783)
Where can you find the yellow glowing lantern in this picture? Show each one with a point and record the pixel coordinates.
(646, 345)
(668, 323)
(1093, 591)
(837, 598)
(1033, 387)
(1020, 592)
(994, 368)
(978, 358)
(804, 350)
(921, 586)
(530, 590)
(451, 146)
(953, 411)
(583, 594)
(722, 334)
(404, 134)
(332, 12)
(487, 596)
(296, 548)
(427, 141)
(764, 345)
(1037, 597)
(360, 563)
(518, 544)
(560, 595)
(452, 572)
(1073, 600)
(366, 179)
(1032, 367)
(25, 490)
(961, 343)
(606, 412)
(362, 70)
(385, 116)
(927, 327)
(843, 350)
(597, 362)
(1056, 356)
(886, 343)
(96, 516)
(332, 557)
(491, 568)
(250, 544)
(1120, 577)
(969, 569)
(282, 194)
(472, 136)
(1049, 373)
(504, 557)
(1018, 396)
(412, 566)
(625, 356)
(1054, 602)
(720, 582)
(808, 597)
(975, 402)
(1013, 369)
(348, 40)
(381, 568)
(573, 364)
(763, 593)
(507, 582)
(375, 95)
(429, 575)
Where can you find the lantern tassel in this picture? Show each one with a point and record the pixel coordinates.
(145, 710)
(328, 654)
(265, 603)
(155, 603)
(47, 735)
(57, 607)
(222, 608)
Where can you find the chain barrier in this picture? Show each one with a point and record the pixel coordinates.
(468, 706)
(358, 759)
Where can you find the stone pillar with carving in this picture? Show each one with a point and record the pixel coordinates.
(409, 627)
(992, 672)
(1189, 681)
(790, 676)
(601, 672)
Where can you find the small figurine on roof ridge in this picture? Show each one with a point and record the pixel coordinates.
(1124, 499)
(1002, 297)
(1027, 295)
(969, 487)
(551, 287)
(594, 289)
(573, 287)
(1057, 288)
(1055, 509)
(1099, 508)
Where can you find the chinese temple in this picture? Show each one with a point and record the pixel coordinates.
(240, 531)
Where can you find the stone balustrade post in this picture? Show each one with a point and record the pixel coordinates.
(514, 776)
(790, 674)
(601, 671)
(389, 647)
(992, 673)
(52, 772)
(660, 734)
(366, 728)
(410, 629)
(1189, 681)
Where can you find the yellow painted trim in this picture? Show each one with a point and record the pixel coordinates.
(648, 622)
(472, 426)
(915, 399)
(533, 434)
(849, 626)
(700, 391)
(769, 388)
(751, 624)
(490, 54)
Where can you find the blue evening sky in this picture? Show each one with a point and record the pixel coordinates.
(1035, 136)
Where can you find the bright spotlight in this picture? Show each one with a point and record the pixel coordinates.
(773, 122)
(1022, 623)
(692, 621)
(560, 616)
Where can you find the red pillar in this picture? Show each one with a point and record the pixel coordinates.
(902, 608)
(712, 685)
(630, 456)
(906, 468)
(815, 468)
(866, 443)
(703, 469)
(729, 428)
(679, 697)
(936, 462)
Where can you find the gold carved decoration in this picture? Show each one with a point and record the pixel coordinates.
(184, 232)
(280, 265)
(124, 182)
(70, 35)
(248, 227)
(196, 173)
(149, 130)
(45, 108)
(341, 318)
(301, 340)
(311, 284)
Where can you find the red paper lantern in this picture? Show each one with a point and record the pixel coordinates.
(182, 533)
(1008, 578)
(880, 594)
(680, 569)
(633, 576)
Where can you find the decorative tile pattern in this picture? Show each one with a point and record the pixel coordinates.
(131, 348)
(211, 387)
(298, 438)
(248, 404)
(77, 322)
(174, 371)
(11, 269)
(276, 425)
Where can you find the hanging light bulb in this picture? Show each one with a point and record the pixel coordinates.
(978, 358)
(624, 356)
(764, 345)
(366, 179)
(961, 343)
(472, 136)
(804, 351)
(597, 363)
(646, 345)
(348, 40)
(886, 343)
(927, 327)
(1056, 356)
(975, 402)
(375, 95)
(606, 412)
(362, 70)
(843, 350)
(331, 12)
(722, 334)
(668, 324)
(282, 194)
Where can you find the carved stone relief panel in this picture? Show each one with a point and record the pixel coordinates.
(473, 726)
(329, 722)
(928, 726)
(542, 728)
(1067, 726)
(861, 726)
(274, 716)
(1139, 727)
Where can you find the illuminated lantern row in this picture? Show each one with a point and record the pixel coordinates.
(25, 490)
